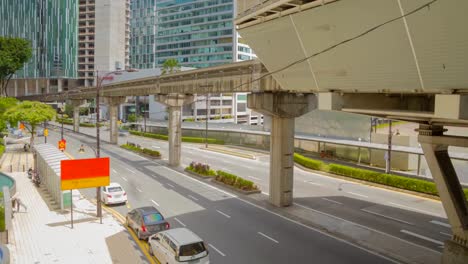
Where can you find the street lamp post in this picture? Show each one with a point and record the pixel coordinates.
(98, 138)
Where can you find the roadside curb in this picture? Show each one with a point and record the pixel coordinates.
(232, 153)
(120, 218)
(373, 184)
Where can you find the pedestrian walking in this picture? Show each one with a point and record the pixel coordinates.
(20, 203)
(81, 150)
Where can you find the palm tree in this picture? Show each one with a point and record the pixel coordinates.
(170, 66)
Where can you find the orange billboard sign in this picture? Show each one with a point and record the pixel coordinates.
(84, 173)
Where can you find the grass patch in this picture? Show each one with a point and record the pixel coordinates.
(236, 181)
(138, 149)
(184, 139)
(2, 148)
(200, 168)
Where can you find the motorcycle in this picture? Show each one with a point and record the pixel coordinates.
(30, 173)
(36, 180)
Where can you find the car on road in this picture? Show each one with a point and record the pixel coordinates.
(146, 221)
(113, 194)
(178, 245)
(123, 132)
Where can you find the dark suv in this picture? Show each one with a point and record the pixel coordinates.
(146, 221)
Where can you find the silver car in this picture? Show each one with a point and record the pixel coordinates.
(178, 245)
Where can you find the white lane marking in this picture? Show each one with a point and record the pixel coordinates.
(304, 225)
(440, 223)
(330, 200)
(447, 234)
(114, 171)
(156, 147)
(407, 207)
(125, 179)
(153, 201)
(190, 196)
(344, 241)
(388, 217)
(226, 215)
(265, 193)
(422, 237)
(314, 183)
(138, 189)
(357, 194)
(217, 250)
(255, 178)
(170, 185)
(274, 240)
(182, 224)
(130, 170)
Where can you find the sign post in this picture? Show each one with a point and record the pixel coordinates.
(62, 145)
(84, 173)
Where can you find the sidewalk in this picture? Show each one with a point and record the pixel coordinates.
(43, 234)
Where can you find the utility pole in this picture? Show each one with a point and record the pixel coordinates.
(207, 118)
(62, 110)
(388, 168)
(144, 115)
(98, 146)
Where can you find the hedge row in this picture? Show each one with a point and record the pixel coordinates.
(70, 122)
(184, 139)
(401, 182)
(146, 151)
(2, 215)
(308, 163)
(235, 181)
(386, 179)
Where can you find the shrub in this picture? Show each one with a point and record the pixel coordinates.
(235, 181)
(2, 149)
(200, 168)
(2, 219)
(138, 149)
(307, 162)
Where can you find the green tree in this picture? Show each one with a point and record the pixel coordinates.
(5, 104)
(14, 53)
(32, 113)
(170, 66)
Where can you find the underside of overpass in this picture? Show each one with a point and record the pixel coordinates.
(399, 59)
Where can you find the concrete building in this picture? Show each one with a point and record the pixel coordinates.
(198, 34)
(51, 28)
(104, 32)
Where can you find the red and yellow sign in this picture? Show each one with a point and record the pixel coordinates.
(62, 144)
(21, 126)
(85, 173)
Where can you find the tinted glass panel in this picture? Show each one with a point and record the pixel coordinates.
(192, 249)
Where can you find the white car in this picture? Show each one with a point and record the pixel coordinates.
(178, 245)
(113, 194)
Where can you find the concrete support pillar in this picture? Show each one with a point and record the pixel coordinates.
(283, 109)
(174, 103)
(114, 103)
(76, 114)
(435, 147)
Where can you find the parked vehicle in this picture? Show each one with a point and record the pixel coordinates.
(36, 179)
(146, 221)
(113, 194)
(179, 245)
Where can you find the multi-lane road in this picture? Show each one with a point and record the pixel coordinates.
(240, 231)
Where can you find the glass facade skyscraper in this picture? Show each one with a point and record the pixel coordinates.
(51, 27)
(195, 32)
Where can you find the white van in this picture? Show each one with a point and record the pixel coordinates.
(178, 245)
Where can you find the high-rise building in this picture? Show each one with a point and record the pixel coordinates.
(51, 28)
(104, 32)
(198, 34)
